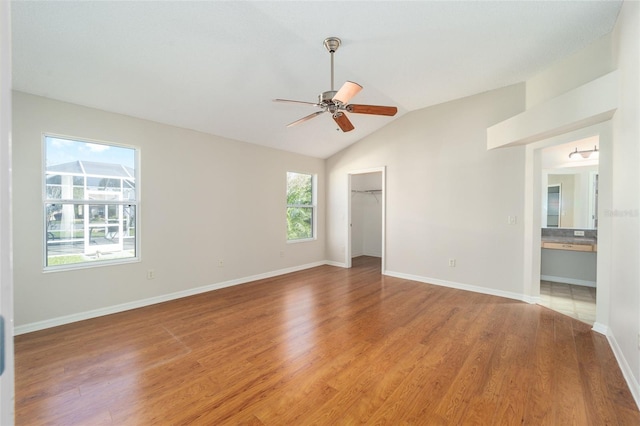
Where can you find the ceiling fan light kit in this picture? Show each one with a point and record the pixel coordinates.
(346, 92)
(337, 102)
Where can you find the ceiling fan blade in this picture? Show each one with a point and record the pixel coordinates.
(305, 118)
(372, 109)
(296, 102)
(343, 121)
(346, 92)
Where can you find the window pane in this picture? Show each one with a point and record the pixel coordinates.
(300, 223)
(64, 187)
(104, 168)
(97, 213)
(54, 192)
(299, 189)
(86, 187)
(64, 221)
(71, 240)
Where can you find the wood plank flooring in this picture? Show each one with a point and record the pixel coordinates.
(326, 346)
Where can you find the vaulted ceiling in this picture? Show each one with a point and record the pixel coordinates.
(215, 66)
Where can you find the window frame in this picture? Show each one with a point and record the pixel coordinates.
(312, 206)
(85, 202)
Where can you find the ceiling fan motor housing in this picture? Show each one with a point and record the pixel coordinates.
(327, 97)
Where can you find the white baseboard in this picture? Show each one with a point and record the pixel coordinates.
(633, 384)
(461, 286)
(600, 328)
(67, 319)
(566, 280)
(334, 263)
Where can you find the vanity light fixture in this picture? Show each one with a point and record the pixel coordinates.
(589, 153)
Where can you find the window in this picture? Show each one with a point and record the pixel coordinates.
(90, 203)
(301, 208)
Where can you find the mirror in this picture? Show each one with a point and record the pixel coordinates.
(571, 197)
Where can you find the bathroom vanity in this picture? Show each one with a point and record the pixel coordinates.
(569, 258)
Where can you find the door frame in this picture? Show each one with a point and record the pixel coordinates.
(7, 393)
(533, 215)
(383, 198)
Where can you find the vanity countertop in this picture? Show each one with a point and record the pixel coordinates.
(566, 239)
(569, 240)
(570, 243)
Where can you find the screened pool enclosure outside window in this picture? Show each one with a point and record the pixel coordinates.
(90, 203)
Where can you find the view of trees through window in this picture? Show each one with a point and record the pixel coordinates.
(90, 202)
(300, 206)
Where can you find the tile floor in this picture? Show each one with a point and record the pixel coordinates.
(577, 301)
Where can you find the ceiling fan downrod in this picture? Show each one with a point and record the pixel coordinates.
(332, 44)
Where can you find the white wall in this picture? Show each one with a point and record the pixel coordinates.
(625, 213)
(366, 215)
(447, 196)
(203, 198)
(580, 68)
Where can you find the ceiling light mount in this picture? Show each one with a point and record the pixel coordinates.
(332, 44)
(588, 153)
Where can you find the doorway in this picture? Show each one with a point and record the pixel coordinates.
(366, 215)
(569, 235)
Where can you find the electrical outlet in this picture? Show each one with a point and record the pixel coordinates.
(151, 274)
(512, 220)
(220, 263)
(452, 263)
(578, 233)
(281, 253)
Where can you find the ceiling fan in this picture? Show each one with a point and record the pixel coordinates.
(337, 102)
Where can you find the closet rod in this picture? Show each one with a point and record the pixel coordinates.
(368, 191)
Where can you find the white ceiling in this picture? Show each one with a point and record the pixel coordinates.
(215, 66)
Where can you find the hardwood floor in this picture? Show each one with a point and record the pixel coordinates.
(325, 346)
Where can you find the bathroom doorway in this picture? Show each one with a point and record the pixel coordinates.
(568, 260)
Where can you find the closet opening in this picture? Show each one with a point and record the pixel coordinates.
(366, 216)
